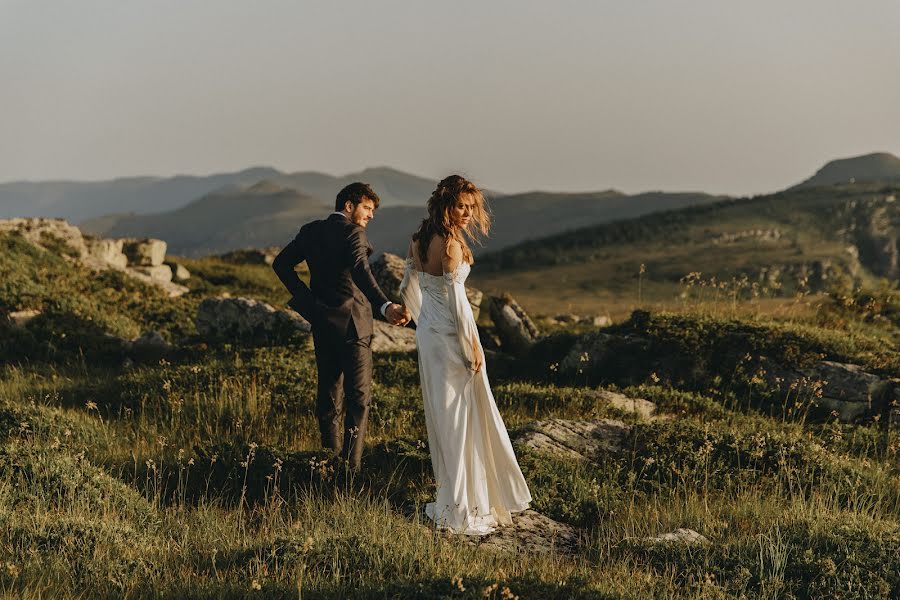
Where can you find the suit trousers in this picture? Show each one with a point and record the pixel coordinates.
(343, 393)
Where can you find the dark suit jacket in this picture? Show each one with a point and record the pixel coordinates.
(342, 290)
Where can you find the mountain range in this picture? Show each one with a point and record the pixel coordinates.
(78, 201)
(265, 207)
(267, 214)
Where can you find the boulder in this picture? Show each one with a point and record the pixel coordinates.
(679, 536)
(157, 274)
(530, 532)
(19, 318)
(151, 341)
(388, 271)
(106, 252)
(579, 440)
(54, 235)
(245, 318)
(842, 390)
(179, 272)
(172, 289)
(391, 338)
(146, 252)
(641, 408)
(515, 329)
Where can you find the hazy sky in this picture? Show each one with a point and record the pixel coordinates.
(730, 97)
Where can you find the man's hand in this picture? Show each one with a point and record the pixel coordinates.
(397, 314)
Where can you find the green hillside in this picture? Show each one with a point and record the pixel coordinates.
(195, 471)
(767, 248)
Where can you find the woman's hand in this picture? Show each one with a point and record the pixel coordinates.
(478, 361)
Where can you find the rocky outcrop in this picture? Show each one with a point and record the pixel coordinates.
(530, 533)
(156, 273)
(390, 338)
(107, 252)
(20, 318)
(55, 235)
(141, 259)
(579, 440)
(757, 235)
(841, 390)
(515, 329)
(146, 252)
(247, 319)
(875, 233)
(388, 271)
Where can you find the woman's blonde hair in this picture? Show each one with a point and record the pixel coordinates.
(438, 222)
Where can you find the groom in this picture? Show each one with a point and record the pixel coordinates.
(338, 304)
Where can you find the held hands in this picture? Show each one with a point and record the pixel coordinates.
(397, 314)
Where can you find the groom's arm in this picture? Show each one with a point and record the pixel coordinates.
(302, 299)
(362, 274)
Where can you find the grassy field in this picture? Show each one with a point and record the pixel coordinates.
(198, 474)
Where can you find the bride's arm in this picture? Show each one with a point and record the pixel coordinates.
(464, 318)
(410, 293)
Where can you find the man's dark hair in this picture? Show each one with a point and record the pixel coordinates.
(355, 192)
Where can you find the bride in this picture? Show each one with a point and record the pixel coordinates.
(479, 482)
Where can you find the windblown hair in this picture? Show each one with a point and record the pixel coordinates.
(355, 192)
(439, 222)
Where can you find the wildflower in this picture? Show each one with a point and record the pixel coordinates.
(654, 377)
(12, 570)
(458, 582)
(90, 405)
(256, 585)
(486, 592)
(507, 594)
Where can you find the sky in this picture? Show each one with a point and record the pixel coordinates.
(723, 97)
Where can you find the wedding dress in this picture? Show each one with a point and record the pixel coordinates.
(479, 482)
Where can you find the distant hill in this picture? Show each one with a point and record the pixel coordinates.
(81, 201)
(869, 168)
(259, 215)
(807, 238)
(267, 214)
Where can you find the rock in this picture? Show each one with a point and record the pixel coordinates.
(845, 390)
(20, 318)
(158, 273)
(581, 440)
(107, 252)
(54, 235)
(390, 338)
(679, 536)
(599, 321)
(530, 532)
(179, 272)
(172, 289)
(515, 329)
(231, 318)
(640, 407)
(151, 340)
(146, 252)
(388, 271)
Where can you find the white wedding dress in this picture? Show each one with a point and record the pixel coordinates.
(479, 482)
